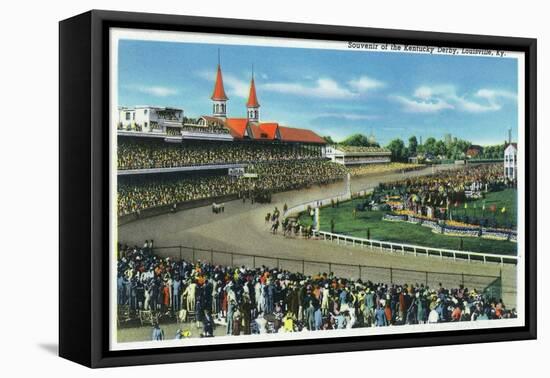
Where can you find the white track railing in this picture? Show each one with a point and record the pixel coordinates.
(414, 249)
(317, 203)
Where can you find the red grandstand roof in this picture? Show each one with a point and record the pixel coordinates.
(252, 98)
(255, 131)
(269, 129)
(236, 126)
(290, 134)
(263, 131)
(219, 92)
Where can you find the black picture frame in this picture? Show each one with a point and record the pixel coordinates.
(84, 191)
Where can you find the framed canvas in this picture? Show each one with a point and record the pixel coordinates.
(235, 188)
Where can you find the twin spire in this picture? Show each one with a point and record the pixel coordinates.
(219, 91)
(219, 98)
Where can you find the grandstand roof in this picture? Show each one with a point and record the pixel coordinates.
(290, 134)
(252, 98)
(264, 131)
(219, 92)
(256, 132)
(237, 127)
(270, 129)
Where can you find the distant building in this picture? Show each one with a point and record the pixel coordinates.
(150, 119)
(474, 151)
(350, 155)
(510, 161)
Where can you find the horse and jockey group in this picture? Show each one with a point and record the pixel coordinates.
(218, 207)
(289, 226)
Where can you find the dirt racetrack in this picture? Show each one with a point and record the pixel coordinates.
(242, 229)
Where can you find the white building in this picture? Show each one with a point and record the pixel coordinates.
(348, 155)
(511, 161)
(150, 119)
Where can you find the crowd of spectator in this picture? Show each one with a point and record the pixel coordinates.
(158, 154)
(447, 187)
(267, 300)
(360, 149)
(173, 131)
(136, 194)
(369, 169)
(367, 159)
(208, 129)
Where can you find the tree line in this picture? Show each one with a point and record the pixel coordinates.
(448, 148)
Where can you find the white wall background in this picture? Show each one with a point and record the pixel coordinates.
(29, 189)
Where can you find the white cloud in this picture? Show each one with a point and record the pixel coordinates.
(421, 105)
(491, 100)
(157, 91)
(323, 88)
(475, 107)
(365, 83)
(426, 93)
(493, 94)
(236, 86)
(320, 88)
(432, 99)
(350, 116)
(233, 85)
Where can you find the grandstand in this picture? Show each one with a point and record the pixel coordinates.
(357, 155)
(188, 159)
(138, 192)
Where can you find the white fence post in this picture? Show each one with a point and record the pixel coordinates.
(380, 244)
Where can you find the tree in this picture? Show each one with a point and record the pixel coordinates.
(358, 140)
(398, 150)
(440, 148)
(413, 145)
(492, 152)
(329, 139)
(429, 146)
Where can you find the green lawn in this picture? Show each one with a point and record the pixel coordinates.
(400, 232)
(504, 199)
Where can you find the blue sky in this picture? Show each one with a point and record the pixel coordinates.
(333, 92)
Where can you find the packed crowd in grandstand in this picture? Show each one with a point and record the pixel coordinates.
(209, 129)
(136, 194)
(368, 169)
(158, 154)
(450, 186)
(261, 300)
(359, 149)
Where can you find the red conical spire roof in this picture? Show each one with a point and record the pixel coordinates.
(252, 98)
(219, 92)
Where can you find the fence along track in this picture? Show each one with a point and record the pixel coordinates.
(417, 250)
(375, 274)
